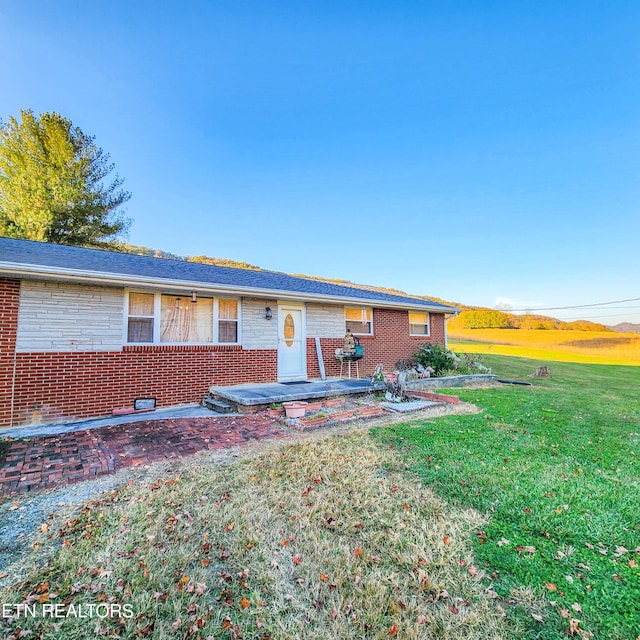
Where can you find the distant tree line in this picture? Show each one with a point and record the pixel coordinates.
(481, 318)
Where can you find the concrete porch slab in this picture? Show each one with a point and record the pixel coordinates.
(268, 393)
(402, 407)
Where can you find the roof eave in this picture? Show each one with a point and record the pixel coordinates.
(96, 277)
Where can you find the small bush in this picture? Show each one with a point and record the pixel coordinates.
(436, 357)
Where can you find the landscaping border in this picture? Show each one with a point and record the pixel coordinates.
(452, 381)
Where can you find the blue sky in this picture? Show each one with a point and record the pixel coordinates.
(483, 152)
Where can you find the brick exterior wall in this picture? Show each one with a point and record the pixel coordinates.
(45, 386)
(52, 386)
(391, 342)
(9, 301)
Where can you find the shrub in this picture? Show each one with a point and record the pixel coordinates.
(436, 357)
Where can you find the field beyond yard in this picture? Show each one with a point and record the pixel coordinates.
(521, 521)
(595, 347)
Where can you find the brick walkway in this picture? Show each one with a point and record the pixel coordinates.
(44, 461)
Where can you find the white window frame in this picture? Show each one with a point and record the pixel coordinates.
(427, 324)
(216, 320)
(359, 333)
(157, 306)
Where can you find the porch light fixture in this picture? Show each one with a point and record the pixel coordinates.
(194, 298)
(267, 313)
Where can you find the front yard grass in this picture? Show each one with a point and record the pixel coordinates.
(324, 539)
(555, 468)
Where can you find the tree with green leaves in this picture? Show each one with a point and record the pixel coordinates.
(52, 183)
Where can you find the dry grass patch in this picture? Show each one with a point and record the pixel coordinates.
(326, 539)
(563, 346)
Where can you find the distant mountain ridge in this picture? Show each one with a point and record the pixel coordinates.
(469, 318)
(626, 327)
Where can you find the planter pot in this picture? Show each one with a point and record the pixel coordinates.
(334, 402)
(274, 413)
(369, 411)
(391, 378)
(311, 423)
(314, 406)
(295, 409)
(343, 415)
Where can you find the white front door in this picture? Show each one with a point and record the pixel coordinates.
(292, 347)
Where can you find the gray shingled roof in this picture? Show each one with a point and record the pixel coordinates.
(40, 254)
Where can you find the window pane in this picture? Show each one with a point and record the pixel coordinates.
(357, 314)
(141, 304)
(358, 327)
(140, 330)
(182, 320)
(227, 331)
(418, 329)
(417, 317)
(228, 309)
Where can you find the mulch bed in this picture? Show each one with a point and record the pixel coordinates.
(40, 462)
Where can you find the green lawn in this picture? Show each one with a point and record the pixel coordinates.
(554, 468)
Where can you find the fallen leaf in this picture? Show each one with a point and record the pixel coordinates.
(536, 617)
(393, 630)
(473, 570)
(422, 619)
(576, 607)
(357, 552)
(446, 540)
(176, 624)
(244, 603)
(454, 609)
(550, 586)
(230, 526)
(297, 559)
(324, 577)
(527, 549)
(617, 577)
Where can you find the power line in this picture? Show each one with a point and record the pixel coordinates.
(577, 306)
(611, 315)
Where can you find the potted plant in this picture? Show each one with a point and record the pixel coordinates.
(338, 401)
(314, 421)
(275, 410)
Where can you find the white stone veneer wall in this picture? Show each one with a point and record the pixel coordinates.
(57, 316)
(257, 331)
(325, 321)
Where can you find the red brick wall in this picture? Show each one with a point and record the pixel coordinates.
(51, 386)
(9, 300)
(391, 342)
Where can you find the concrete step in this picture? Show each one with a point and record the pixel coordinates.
(219, 406)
